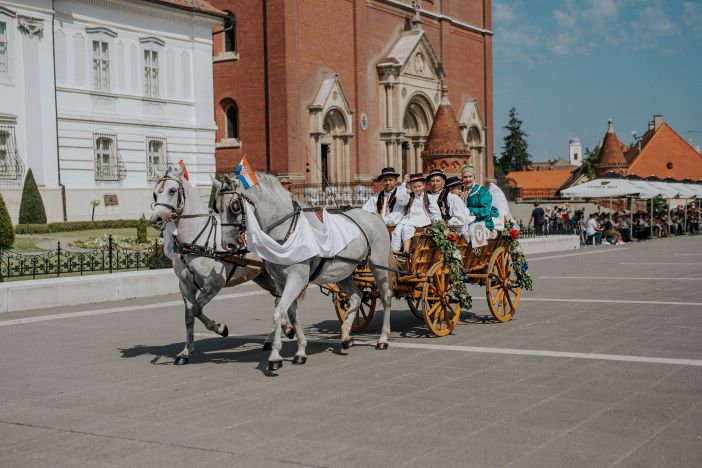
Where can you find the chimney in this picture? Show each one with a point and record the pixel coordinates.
(657, 121)
(698, 149)
(650, 125)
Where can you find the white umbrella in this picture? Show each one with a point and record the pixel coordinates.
(601, 188)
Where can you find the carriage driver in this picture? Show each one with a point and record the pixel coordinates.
(388, 203)
(452, 208)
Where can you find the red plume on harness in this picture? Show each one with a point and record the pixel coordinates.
(185, 171)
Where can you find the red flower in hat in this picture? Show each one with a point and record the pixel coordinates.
(514, 233)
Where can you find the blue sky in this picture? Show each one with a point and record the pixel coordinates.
(568, 66)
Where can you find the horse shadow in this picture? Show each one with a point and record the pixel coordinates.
(218, 350)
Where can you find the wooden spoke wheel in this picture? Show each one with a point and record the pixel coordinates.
(366, 309)
(440, 310)
(415, 305)
(501, 288)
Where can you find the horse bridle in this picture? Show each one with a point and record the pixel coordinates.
(175, 211)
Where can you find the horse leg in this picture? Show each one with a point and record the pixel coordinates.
(301, 355)
(206, 294)
(354, 294)
(188, 298)
(293, 287)
(288, 329)
(382, 280)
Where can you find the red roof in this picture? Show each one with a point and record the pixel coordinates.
(553, 179)
(445, 137)
(665, 154)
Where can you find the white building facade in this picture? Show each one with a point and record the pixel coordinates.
(104, 97)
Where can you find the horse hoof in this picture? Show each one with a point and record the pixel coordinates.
(290, 333)
(347, 344)
(299, 360)
(225, 332)
(381, 346)
(180, 361)
(267, 346)
(274, 365)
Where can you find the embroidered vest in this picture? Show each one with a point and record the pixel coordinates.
(381, 200)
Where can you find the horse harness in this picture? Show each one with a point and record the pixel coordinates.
(192, 248)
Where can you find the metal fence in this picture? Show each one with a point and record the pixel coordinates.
(549, 229)
(333, 195)
(61, 262)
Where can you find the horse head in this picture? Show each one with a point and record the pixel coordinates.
(229, 204)
(169, 198)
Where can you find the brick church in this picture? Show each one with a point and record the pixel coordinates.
(346, 87)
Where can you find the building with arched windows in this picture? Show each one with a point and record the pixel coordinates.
(346, 87)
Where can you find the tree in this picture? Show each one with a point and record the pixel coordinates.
(589, 161)
(7, 231)
(94, 204)
(31, 207)
(514, 156)
(141, 230)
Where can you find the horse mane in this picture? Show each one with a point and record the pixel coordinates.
(269, 186)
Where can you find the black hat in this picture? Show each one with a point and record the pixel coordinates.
(388, 171)
(418, 177)
(452, 181)
(436, 172)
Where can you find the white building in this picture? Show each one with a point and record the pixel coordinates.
(97, 96)
(575, 150)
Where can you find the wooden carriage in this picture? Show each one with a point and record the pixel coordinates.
(425, 284)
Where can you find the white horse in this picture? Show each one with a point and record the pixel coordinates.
(277, 215)
(201, 277)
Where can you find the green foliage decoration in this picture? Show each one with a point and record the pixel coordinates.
(7, 233)
(445, 239)
(519, 264)
(32, 206)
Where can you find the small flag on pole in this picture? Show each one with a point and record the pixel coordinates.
(245, 173)
(185, 171)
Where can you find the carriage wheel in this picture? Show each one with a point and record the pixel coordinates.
(439, 309)
(501, 289)
(415, 305)
(366, 309)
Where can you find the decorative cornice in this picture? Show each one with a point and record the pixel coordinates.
(7, 11)
(152, 40)
(153, 10)
(101, 30)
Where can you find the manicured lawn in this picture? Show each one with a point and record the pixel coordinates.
(28, 242)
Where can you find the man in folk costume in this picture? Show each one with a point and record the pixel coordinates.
(478, 198)
(389, 202)
(421, 210)
(453, 209)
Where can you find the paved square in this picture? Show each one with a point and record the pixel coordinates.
(602, 366)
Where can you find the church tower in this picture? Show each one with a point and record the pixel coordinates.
(576, 152)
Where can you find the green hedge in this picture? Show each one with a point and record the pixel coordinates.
(32, 206)
(7, 234)
(75, 226)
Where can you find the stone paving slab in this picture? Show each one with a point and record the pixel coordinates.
(101, 390)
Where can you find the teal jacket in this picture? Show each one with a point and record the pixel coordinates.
(479, 203)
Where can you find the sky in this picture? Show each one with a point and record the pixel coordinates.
(569, 66)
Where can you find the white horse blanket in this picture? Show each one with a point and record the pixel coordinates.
(305, 241)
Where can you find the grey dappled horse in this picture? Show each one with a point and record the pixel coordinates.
(276, 213)
(201, 277)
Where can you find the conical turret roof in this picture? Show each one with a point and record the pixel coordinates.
(445, 139)
(611, 156)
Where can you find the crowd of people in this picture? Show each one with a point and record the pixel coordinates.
(623, 227)
(420, 200)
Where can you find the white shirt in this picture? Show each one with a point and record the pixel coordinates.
(460, 215)
(591, 226)
(417, 216)
(391, 217)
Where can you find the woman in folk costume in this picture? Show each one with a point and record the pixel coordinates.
(478, 198)
(388, 203)
(421, 210)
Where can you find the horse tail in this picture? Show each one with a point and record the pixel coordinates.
(393, 264)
